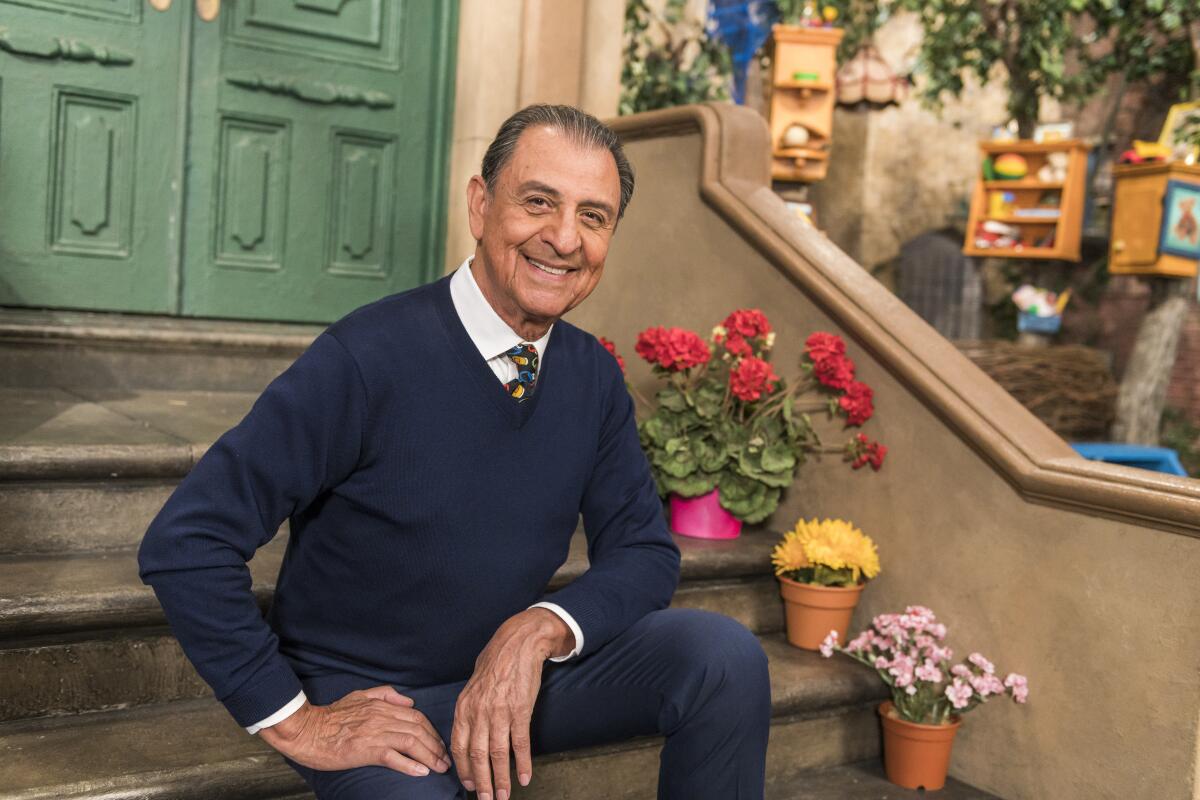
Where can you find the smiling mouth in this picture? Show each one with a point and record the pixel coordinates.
(546, 269)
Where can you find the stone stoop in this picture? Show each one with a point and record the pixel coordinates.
(100, 417)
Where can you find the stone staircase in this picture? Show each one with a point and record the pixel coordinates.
(100, 416)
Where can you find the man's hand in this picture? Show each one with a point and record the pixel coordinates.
(495, 707)
(376, 726)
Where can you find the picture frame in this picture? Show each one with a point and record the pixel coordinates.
(1175, 118)
(1053, 131)
(1180, 234)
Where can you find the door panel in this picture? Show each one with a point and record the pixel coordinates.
(90, 154)
(317, 155)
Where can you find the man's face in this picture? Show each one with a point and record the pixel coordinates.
(543, 232)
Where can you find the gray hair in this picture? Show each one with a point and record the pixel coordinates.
(582, 128)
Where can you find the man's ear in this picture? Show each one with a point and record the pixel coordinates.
(477, 205)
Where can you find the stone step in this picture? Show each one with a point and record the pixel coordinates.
(865, 780)
(87, 469)
(823, 716)
(51, 349)
(82, 633)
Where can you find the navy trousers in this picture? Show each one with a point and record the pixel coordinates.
(695, 677)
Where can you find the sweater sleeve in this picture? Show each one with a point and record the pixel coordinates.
(302, 437)
(633, 561)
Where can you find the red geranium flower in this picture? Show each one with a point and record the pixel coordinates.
(738, 346)
(821, 346)
(747, 323)
(612, 348)
(835, 371)
(752, 378)
(856, 402)
(673, 349)
(867, 452)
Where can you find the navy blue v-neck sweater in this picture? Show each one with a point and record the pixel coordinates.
(426, 506)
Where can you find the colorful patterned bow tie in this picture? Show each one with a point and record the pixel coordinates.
(525, 356)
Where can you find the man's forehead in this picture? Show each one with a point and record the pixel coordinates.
(556, 159)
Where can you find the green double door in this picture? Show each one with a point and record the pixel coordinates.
(286, 161)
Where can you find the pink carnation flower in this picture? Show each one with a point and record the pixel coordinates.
(929, 672)
(1019, 685)
(978, 660)
(961, 671)
(959, 694)
(829, 643)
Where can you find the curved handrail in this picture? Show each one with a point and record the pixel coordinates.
(735, 182)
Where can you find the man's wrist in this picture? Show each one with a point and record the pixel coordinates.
(287, 729)
(557, 635)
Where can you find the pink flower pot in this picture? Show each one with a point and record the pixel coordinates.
(703, 518)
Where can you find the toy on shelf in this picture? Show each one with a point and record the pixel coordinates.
(1145, 153)
(1028, 202)
(1041, 309)
(1055, 168)
(796, 135)
(1010, 167)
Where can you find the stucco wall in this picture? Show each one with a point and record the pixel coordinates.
(1100, 613)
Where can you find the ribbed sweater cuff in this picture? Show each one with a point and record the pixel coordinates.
(587, 615)
(264, 694)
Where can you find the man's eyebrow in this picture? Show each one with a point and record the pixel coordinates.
(538, 186)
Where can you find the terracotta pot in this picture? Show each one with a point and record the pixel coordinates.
(703, 518)
(813, 611)
(916, 756)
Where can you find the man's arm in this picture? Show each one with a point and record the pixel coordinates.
(301, 437)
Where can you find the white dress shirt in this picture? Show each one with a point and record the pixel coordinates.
(493, 338)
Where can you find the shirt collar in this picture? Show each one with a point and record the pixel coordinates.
(490, 334)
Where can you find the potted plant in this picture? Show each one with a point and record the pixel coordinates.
(822, 568)
(929, 694)
(726, 435)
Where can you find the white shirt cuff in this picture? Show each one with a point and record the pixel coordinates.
(279, 716)
(571, 623)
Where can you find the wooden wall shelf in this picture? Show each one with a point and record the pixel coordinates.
(1028, 192)
(1138, 195)
(809, 103)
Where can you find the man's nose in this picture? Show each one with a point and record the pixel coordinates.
(562, 233)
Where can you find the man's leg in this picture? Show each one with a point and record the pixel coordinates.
(380, 783)
(696, 677)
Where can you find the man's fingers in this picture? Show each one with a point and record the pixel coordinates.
(460, 738)
(401, 763)
(522, 750)
(498, 752)
(412, 716)
(387, 693)
(417, 747)
(477, 752)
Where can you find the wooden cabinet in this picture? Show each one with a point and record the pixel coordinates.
(804, 64)
(1137, 220)
(1046, 214)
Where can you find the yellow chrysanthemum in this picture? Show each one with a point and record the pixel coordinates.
(789, 554)
(833, 543)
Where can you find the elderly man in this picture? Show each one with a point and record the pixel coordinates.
(434, 451)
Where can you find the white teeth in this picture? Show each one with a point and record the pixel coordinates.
(544, 268)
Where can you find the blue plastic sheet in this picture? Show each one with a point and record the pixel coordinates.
(1159, 459)
(743, 27)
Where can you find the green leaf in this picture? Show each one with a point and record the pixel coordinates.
(691, 486)
(671, 399)
(778, 458)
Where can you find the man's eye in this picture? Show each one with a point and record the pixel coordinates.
(538, 201)
(595, 218)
